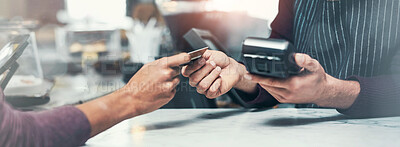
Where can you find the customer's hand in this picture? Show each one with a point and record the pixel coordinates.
(313, 85)
(154, 84)
(215, 74)
(150, 88)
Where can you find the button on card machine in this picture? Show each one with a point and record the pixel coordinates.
(269, 57)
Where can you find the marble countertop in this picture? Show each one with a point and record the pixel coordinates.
(249, 127)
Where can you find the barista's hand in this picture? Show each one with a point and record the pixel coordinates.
(215, 74)
(154, 84)
(313, 85)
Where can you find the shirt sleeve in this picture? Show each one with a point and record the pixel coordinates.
(259, 100)
(379, 96)
(282, 26)
(64, 126)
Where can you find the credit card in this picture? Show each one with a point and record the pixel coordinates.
(196, 54)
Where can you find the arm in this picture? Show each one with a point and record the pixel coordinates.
(72, 126)
(115, 107)
(312, 85)
(64, 126)
(357, 96)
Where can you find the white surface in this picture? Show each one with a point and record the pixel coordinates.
(106, 11)
(242, 128)
(263, 9)
(27, 86)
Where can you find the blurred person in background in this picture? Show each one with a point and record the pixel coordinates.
(143, 11)
(349, 51)
(73, 125)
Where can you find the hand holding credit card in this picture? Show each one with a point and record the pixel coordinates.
(194, 55)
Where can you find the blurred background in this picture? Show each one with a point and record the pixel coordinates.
(82, 49)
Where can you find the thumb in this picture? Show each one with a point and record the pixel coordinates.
(308, 63)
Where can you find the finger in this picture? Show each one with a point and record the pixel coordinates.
(207, 54)
(305, 61)
(208, 80)
(170, 86)
(175, 82)
(177, 60)
(214, 91)
(196, 77)
(174, 72)
(173, 92)
(168, 74)
(169, 95)
(218, 57)
(200, 91)
(166, 86)
(274, 82)
(188, 70)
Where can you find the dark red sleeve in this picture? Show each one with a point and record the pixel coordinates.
(282, 26)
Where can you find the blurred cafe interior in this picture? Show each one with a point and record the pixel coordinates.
(81, 50)
(81, 73)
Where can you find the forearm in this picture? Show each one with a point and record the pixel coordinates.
(107, 111)
(65, 126)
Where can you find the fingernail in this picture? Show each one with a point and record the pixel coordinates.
(247, 77)
(300, 58)
(212, 63)
(187, 57)
(202, 61)
(213, 89)
(218, 69)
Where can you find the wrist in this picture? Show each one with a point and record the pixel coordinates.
(349, 93)
(339, 93)
(125, 99)
(241, 70)
(109, 110)
(243, 84)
